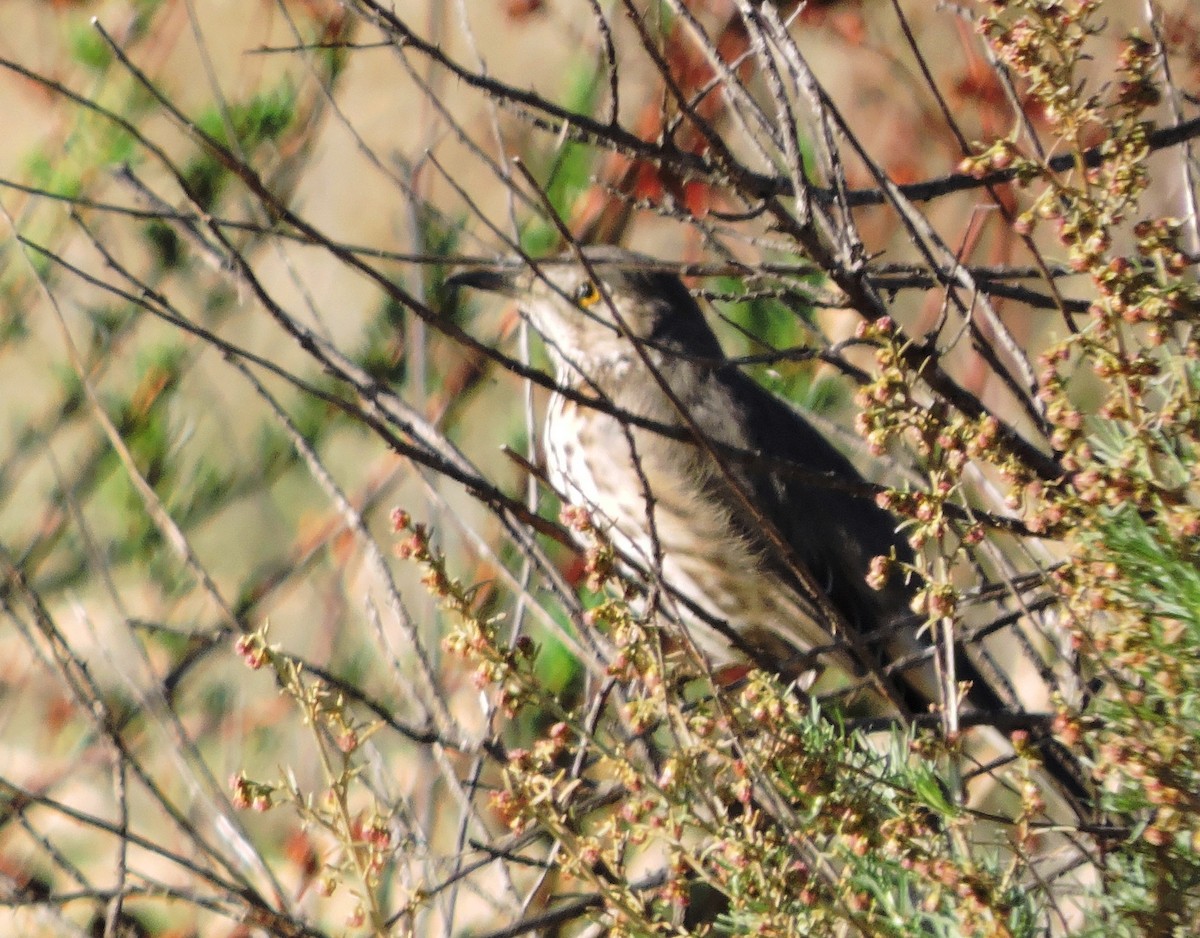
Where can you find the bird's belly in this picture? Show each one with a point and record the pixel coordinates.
(628, 479)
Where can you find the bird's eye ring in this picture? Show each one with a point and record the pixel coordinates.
(587, 294)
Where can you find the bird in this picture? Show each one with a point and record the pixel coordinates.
(761, 528)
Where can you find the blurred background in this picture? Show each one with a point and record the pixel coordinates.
(227, 354)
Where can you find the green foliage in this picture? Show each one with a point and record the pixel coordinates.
(165, 243)
(571, 171)
(257, 120)
(382, 355)
(1151, 717)
(783, 320)
(261, 119)
(204, 177)
(52, 174)
(88, 47)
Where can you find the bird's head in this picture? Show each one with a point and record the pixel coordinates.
(591, 314)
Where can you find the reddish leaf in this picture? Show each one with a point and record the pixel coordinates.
(520, 9)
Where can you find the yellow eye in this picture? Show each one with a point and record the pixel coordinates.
(586, 294)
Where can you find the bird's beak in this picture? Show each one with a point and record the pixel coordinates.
(481, 278)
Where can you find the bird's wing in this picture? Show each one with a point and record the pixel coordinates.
(816, 499)
(825, 513)
(826, 516)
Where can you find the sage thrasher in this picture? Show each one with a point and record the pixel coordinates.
(761, 529)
